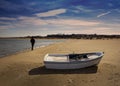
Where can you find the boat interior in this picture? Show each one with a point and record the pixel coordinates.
(72, 57)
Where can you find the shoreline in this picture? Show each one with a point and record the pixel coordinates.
(28, 49)
(27, 68)
(22, 51)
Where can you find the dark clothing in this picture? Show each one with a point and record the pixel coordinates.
(32, 43)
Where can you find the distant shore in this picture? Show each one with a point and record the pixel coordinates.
(72, 36)
(27, 68)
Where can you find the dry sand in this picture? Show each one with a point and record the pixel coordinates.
(27, 68)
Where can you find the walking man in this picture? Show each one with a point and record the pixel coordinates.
(32, 40)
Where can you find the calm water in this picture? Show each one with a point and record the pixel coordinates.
(11, 46)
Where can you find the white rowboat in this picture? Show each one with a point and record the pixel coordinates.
(72, 61)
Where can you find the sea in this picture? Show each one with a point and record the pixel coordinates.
(12, 46)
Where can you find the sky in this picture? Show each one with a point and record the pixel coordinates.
(42, 17)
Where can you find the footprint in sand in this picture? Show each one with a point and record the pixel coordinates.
(70, 81)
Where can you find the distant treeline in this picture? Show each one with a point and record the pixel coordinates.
(71, 36)
(78, 36)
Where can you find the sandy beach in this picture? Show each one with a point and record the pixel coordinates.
(27, 68)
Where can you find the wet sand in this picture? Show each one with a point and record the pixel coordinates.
(27, 68)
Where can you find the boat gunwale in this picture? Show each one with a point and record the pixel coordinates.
(73, 62)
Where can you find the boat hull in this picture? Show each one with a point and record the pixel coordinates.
(71, 65)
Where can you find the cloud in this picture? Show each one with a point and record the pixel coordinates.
(32, 3)
(4, 27)
(84, 9)
(51, 13)
(100, 30)
(7, 18)
(31, 21)
(118, 10)
(60, 22)
(110, 4)
(37, 22)
(35, 25)
(2, 23)
(72, 22)
(103, 14)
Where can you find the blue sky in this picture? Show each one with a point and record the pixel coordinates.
(42, 17)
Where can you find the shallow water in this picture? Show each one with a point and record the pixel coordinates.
(11, 46)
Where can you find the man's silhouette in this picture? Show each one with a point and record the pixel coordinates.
(32, 40)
